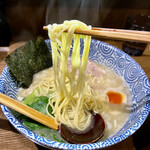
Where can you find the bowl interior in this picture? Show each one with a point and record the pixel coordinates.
(111, 57)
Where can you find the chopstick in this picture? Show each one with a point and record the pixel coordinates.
(28, 111)
(117, 34)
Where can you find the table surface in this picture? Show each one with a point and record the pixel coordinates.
(11, 139)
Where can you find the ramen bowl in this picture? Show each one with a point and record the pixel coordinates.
(114, 59)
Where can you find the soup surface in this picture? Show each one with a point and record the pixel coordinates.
(102, 81)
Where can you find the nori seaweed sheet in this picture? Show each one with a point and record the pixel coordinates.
(29, 59)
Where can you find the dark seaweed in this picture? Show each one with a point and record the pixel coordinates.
(29, 59)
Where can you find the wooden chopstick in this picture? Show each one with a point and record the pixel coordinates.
(28, 111)
(122, 30)
(117, 34)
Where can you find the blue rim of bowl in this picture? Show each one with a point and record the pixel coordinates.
(53, 144)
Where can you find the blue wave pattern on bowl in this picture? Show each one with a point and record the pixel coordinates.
(111, 57)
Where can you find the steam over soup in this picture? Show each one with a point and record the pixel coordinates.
(105, 93)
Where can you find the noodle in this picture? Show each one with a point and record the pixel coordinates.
(73, 98)
(69, 89)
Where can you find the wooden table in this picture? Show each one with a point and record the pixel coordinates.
(10, 139)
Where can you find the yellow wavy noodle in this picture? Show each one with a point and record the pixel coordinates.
(71, 91)
(73, 98)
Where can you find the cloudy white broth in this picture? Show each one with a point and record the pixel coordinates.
(100, 80)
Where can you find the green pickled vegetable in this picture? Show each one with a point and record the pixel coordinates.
(30, 99)
(39, 104)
